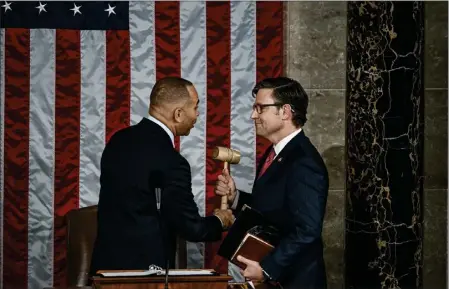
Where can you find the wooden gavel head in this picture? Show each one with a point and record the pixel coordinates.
(226, 155)
(230, 156)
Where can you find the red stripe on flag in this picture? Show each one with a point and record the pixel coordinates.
(117, 81)
(269, 31)
(67, 140)
(16, 158)
(218, 129)
(167, 40)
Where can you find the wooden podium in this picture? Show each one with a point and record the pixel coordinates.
(158, 282)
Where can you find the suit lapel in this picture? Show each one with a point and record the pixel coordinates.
(284, 155)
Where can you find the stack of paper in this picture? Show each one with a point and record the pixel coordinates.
(174, 272)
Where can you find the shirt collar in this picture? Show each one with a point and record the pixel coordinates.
(164, 127)
(280, 145)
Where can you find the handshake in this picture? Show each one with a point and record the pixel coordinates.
(226, 217)
(225, 187)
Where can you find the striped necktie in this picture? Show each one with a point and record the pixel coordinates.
(268, 161)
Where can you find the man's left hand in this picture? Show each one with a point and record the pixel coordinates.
(253, 271)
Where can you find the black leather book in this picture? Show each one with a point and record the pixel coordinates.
(249, 223)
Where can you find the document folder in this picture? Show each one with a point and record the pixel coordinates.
(251, 236)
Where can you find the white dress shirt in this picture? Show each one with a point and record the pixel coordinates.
(277, 150)
(164, 127)
(283, 142)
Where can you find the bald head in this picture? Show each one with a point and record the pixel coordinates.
(170, 90)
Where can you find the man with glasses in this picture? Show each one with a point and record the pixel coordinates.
(290, 189)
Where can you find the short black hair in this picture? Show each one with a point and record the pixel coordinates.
(287, 91)
(169, 90)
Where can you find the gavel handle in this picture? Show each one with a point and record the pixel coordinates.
(224, 199)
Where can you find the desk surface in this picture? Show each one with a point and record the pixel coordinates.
(70, 287)
(161, 278)
(230, 286)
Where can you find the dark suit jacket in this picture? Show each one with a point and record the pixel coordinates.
(292, 193)
(135, 161)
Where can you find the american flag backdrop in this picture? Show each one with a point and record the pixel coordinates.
(72, 73)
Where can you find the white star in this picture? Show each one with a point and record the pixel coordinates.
(76, 9)
(41, 7)
(110, 10)
(7, 6)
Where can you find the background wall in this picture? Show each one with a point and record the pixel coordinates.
(435, 145)
(316, 56)
(316, 51)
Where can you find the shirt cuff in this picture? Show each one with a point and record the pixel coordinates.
(236, 200)
(266, 276)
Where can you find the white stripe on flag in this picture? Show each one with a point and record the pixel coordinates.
(192, 24)
(143, 57)
(92, 114)
(2, 139)
(41, 157)
(243, 78)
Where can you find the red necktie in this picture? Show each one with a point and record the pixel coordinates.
(268, 162)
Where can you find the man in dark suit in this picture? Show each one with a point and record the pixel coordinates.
(138, 159)
(291, 188)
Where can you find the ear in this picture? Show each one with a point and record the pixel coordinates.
(287, 111)
(178, 114)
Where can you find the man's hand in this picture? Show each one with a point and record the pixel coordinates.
(253, 271)
(226, 217)
(225, 186)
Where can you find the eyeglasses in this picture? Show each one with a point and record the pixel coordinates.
(259, 107)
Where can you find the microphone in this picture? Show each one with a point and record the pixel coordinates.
(157, 192)
(157, 179)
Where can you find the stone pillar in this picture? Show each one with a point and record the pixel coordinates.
(384, 131)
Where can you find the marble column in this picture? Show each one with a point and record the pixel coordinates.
(384, 151)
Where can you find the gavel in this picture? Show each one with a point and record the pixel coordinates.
(228, 156)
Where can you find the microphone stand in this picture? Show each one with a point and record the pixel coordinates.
(166, 273)
(164, 235)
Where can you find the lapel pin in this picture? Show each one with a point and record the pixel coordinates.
(279, 160)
